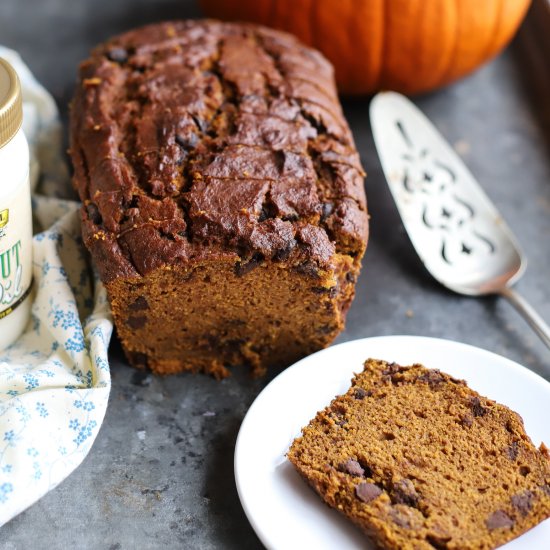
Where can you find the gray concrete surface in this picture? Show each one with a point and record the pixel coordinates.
(161, 472)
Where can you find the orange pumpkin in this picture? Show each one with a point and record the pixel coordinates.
(405, 45)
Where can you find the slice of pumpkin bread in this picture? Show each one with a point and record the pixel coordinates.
(418, 460)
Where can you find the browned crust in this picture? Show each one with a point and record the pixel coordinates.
(197, 139)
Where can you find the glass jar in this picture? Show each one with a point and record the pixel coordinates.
(15, 211)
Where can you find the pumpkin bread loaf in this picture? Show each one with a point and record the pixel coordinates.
(420, 461)
(223, 199)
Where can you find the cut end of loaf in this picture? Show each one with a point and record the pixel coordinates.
(214, 315)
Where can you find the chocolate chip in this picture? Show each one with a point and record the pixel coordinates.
(332, 291)
(360, 393)
(350, 277)
(352, 467)
(432, 377)
(235, 344)
(187, 142)
(201, 124)
(320, 290)
(404, 492)
(134, 203)
(93, 213)
(499, 520)
(392, 368)
(307, 268)
(136, 322)
(394, 373)
(326, 329)
(367, 491)
(118, 55)
(523, 502)
(440, 542)
(267, 212)
(244, 268)
(327, 209)
(139, 304)
(284, 253)
(467, 420)
(477, 408)
(212, 339)
(513, 450)
(339, 418)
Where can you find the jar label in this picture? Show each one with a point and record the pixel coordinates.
(15, 250)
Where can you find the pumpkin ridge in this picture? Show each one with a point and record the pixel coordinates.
(312, 25)
(496, 25)
(445, 74)
(272, 12)
(381, 80)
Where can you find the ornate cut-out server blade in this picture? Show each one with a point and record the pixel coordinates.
(456, 230)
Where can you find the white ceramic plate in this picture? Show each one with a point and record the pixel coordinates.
(283, 510)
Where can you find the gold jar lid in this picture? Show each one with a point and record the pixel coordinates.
(11, 102)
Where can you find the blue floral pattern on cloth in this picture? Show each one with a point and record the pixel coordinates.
(55, 380)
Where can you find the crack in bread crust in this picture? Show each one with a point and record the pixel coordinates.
(174, 123)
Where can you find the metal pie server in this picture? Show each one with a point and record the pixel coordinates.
(454, 227)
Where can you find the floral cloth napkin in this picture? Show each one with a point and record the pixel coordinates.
(54, 381)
